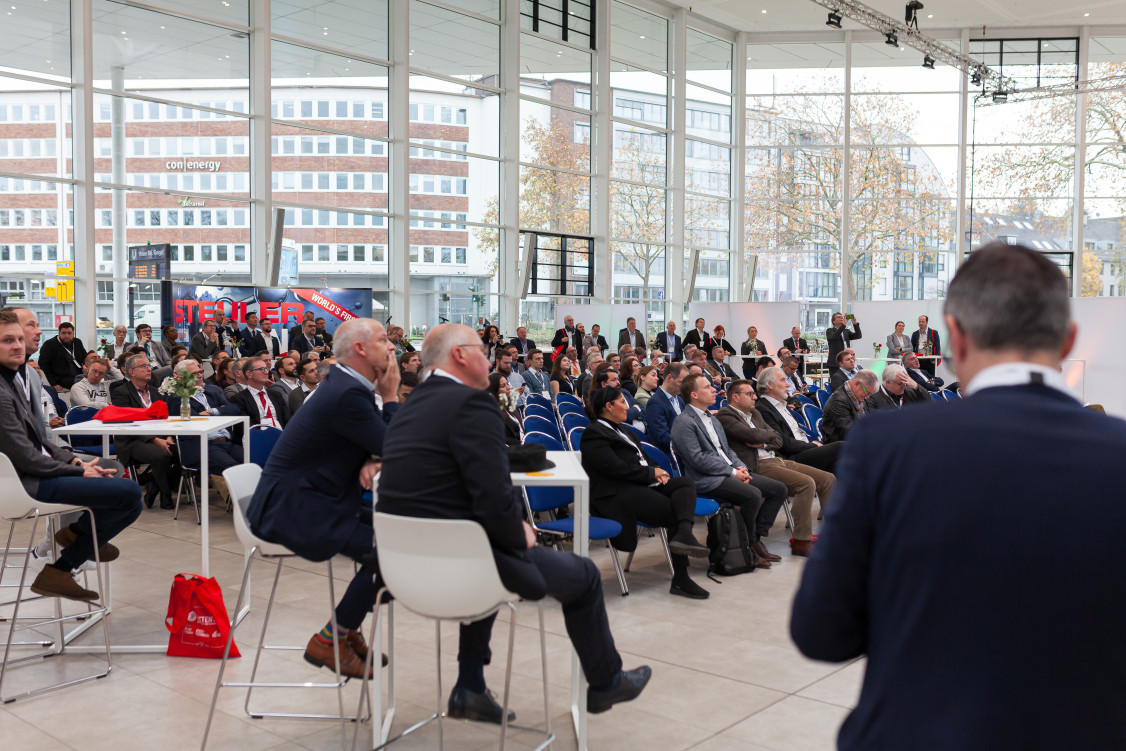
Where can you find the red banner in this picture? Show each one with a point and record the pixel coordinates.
(325, 304)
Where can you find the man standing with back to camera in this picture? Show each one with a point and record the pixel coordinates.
(979, 635)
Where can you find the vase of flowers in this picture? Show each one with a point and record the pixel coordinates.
(107, 348)
(183, 384)
(879, 349)
(233, 342)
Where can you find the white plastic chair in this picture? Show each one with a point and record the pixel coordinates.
(242, 481)
(444, 569)
(16, 506)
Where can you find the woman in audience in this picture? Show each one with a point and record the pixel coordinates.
(629, 367)
(498, 387)
(628, 487)
(223, 377)
(492, 341)
(648, 380)
(561, 380)
(898, 344)
(719, 341)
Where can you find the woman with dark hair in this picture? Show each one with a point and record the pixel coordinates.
(492, 341)
(498, 388)
(648, 380)
(223, 373)
(628, 487)
(629, 367)
(561, 381)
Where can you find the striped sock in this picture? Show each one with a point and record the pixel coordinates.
(324, 636)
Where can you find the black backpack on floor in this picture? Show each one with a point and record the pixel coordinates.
(729, 543)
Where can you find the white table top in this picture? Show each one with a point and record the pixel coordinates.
(172, 426)
(568, 470)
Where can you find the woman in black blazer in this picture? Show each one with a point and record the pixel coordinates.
(513, 429)
(719, 341)
(628, 487)
(561, 382)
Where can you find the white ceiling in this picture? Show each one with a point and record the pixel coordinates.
(805, 15)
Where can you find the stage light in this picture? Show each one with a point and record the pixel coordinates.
(911, 14)
(1000, 97)
(975, 78)
(892, 40)
(834, 20)
(928, 62)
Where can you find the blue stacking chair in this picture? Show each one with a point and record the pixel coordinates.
(535, 424)
(811, 414)
(574, 437)
(562, 399)
(263, 438)
(538, 410)
(570, 408)
(937, 396)
(572, 421)
(548, 500)
(950, 395)
(86, 444)
(806, 400)
(539, 400)
(640, 434)
(823, 397)
(550, 442)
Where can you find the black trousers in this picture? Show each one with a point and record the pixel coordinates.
(774, 494)
(744, 495)
(359, 597)
(577, 584)
(663, 506)
(820, 457)
(160, 462)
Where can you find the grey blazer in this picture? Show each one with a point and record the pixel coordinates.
(20, 430)
(893, 350)
(698, 457)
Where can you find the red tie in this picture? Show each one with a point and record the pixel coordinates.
(269, 414)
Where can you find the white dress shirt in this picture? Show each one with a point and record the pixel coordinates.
(710, 430)
(799, 434)
(272, 419)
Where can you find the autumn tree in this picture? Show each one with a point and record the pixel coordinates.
(795, 193)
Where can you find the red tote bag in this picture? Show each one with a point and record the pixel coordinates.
(197, 618)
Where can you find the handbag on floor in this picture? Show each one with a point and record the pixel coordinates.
(197, 618)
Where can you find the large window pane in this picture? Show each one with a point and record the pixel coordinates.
(451, 44)
(36, 39)
(639, 37)
(359, 27)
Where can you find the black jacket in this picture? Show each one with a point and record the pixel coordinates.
(126, 396)
(791, 446)
(883, 400)
(840, 412)
(615, 470)
(59, 368)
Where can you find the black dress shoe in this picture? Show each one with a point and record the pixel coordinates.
(685, 587)
(166, 502)
(684, 543)
(468, 705)
(150, 495)
(630, 685)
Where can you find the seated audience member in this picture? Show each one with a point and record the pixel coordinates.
(407, 383)
(896, 389)
(847, 404)
(523, 346)
(846, 368)
(433, 456)
(410, 362)
(238, 372)
(92, 391)
(782, 354)
(307, 340)
(308, 376)
(576, 366)
(700, 361)
(206, 343)
(795, 381)
(689, 352)
(169, 337)
(757, 444)
(156, 353)
(120, 346)
(322, 332)
(640, 353)
(717, 368)
(343, 429)
(285, 381)
(222, 376)
(222, 452)
(402, 344)
(52, 474)
(159, 452)
(763, 364)
(256, 402)
(606, 375)
(561, 381)
(61, 358)
(664, 406)
(506, 367)
(499, 390)
(582, 388)
(626, 371)
(628, 487)
(920, 376)
(646, 381)
(614, 359)
(536, 381)
(772, 406)
(706, 457)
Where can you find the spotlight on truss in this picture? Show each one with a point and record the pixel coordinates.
(928, 62)
(975, 78)
(911, 14)
(1000, 97)
(892, 39)
(834, 20)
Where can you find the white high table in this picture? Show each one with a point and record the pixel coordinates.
(568, 472)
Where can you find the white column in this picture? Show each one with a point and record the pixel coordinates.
(82, 140)
(117, 170)
(846, 174)
(602, 141)
(742, 274)
(674, 174)
(398, 171)
(1078, 212)
(962, 225)
(261, 160)
(508, 278)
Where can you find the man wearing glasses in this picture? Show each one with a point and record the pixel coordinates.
(847, 404)
(159, 453)
(256, 402)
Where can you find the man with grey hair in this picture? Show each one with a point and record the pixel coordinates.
(222, 451)
(847, 404)
(582, 388)
(238, 372)
(774, 408)
(930, 569)
(896, 389)
(920, 376)
(157, 451)
(435, 451)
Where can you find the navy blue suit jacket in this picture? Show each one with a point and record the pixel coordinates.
(979, 633)
(252, 344)
(309, 496)
(659, 415)
(189, 447)
(676, 347)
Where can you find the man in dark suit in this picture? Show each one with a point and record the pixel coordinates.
(273, 346)
(256, 401)
(206, 343)
(308, 377)
(795, 381)
(216, 360)
(664, 406)
(920, 376)
(847, 404)
(222, 452)
(719, 369)
(976, 652)
(669, 342)
(159, 452)
(846, 369)
(523, 345)
(52, 474)
(797, 346)
(436, 448)
(926, 341)
(699, 336)
(307, 340)
(61, 358)
(314, 508)
(296, 331)
(896, 391)
(630, 335)
(322, 332)
(839, 339)
(568, 336)
(252, 340)
(772, 405)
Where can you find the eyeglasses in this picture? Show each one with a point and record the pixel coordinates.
(142, 367)
(255, 370)
(482, 348)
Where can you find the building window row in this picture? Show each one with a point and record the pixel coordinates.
(223, 146)
(28, 148)
(436, 220)
(24, 252)
(326, 145)
(29, 218)
(424, 153)
(438, 184)
(437, 113)
(138, 111)
(438, 254)
(373, 182)
(19, 185)
(234, 182)
(342, 253)
(325, 218)
(28, 113)
(326, 109)
(179, 218)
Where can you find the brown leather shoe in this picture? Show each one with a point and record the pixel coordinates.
(54, 583)
(801, 547)
(763, 563)
(320, 654)
(762, 552)
(64, 538)
(356, 641)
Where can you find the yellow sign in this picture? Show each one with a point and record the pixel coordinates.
(64, 289)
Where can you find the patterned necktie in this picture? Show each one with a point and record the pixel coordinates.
(269, 414)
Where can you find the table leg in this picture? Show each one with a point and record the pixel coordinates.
(205, 568)
(245, 460)
(578, 680)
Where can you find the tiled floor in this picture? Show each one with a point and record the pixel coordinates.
(725, 674)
